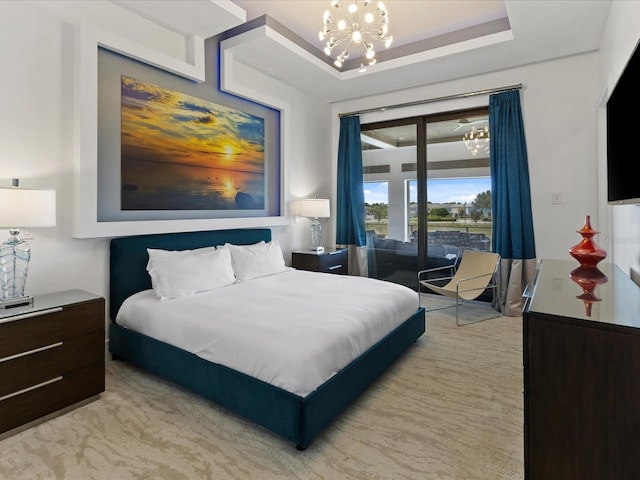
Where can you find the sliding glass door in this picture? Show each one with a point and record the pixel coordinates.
(427, 192)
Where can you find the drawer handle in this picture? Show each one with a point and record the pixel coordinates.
(25, 390)
(334, 267)
(29, 352)
(30, 314)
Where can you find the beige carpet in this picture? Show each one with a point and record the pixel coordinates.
(450, 408)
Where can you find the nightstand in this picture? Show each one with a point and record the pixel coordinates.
(329, 261)
(51, 357)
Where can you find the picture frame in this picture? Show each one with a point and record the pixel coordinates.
(86, 222)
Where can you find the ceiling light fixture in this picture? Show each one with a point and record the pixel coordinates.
(357, 27)
(477, 140)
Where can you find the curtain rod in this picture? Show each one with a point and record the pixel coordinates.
(437, 99)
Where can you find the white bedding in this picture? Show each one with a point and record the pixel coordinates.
(294, 330)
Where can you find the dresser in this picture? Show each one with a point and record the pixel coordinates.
(329, 261)
(581, 350)
(51, 357)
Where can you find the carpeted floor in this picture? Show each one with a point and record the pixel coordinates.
(450, 408)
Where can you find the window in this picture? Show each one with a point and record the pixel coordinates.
(376, 204)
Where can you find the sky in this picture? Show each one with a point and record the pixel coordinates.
(163, 125)
(449, 190)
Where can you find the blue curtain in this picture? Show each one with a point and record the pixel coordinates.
(512, 230)
(350, 227)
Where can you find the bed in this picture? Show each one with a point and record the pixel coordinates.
(298, 417)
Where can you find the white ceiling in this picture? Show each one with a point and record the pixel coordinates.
(434, 40)
(409, 20)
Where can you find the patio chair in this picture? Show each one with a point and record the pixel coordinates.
(472, 275)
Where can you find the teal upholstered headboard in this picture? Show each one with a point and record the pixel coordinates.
(128, 256)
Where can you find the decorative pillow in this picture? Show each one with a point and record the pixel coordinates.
(257, 260)
(179, 273)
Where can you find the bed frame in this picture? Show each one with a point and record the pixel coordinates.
(299, 419)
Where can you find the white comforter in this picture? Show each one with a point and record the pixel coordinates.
(294, 329)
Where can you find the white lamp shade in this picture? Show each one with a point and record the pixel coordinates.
(27, 207)
(315, 208)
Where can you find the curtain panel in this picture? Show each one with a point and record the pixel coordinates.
(512, 230)
(350, 225)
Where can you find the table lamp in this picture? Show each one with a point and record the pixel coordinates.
(21, 207)
(315, 208)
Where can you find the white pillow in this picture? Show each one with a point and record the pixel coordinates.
(178, 273)
(257, 260)
(155, 252)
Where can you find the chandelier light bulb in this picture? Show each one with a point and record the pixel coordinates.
(358, 28)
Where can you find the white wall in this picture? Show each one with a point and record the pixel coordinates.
(36, 137)
(559, 102)
(621, 35)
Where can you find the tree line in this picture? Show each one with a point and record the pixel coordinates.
(480, 204)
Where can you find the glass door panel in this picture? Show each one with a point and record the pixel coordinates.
(389, 162)
(458, 186)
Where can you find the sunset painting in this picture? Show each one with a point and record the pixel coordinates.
(179, 152)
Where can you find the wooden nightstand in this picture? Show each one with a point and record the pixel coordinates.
(329, 261)
(51, 357)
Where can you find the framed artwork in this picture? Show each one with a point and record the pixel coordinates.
(179, 152)
(161, 150)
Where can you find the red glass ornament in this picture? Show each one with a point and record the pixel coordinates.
(587, 252)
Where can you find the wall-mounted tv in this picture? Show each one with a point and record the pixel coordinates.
(623, 133)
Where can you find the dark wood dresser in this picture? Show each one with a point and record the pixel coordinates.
(329, 261)
(581, 375)
(51, 357)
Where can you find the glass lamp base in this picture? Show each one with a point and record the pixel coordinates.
(15, 254)
(316, 234)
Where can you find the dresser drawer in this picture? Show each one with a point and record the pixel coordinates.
(70, 321)
(51, 357)
(335, 262)
(35, 367)
(61, 392)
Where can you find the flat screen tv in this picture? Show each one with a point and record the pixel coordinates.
(623, 131)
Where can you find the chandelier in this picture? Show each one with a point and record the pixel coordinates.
(357, 28)
(477, 140)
